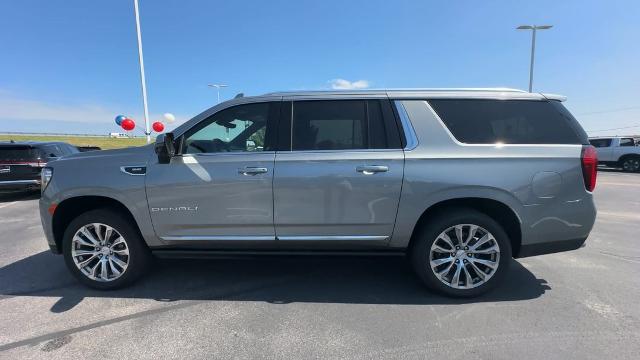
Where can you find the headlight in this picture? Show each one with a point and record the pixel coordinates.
(45, 177)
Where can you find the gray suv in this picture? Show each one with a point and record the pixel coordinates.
(461, 181)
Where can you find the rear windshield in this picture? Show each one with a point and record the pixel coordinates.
(18, 153)
(509, 121)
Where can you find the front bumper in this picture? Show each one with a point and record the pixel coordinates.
(47, 224)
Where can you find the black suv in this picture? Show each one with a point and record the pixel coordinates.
(22, 162)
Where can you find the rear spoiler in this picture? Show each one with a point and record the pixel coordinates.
(555, 97)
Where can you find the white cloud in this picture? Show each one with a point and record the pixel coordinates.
(342, 84)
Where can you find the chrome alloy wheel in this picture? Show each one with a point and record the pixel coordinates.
(464, 256)
(100, 252)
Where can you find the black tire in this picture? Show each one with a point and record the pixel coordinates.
(139, 258)
(421, 247)
(630, 163)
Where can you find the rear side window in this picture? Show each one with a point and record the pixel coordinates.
(17, 154)
(627, 142)
(52, 151)
(342, 125)
(509, 121)
(600, 143)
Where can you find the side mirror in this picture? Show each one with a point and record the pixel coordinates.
(165, 148)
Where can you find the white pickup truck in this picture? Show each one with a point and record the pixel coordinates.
(618, 151)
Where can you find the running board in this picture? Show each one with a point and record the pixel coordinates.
(215, 254)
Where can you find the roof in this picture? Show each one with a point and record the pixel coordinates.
(462, 93)
(501, 93)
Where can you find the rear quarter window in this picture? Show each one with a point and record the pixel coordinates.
(509, 121)
(599, 143)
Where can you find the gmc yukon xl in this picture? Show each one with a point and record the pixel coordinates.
(461, 181)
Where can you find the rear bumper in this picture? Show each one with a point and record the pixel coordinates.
(550, 247)
(17, 185)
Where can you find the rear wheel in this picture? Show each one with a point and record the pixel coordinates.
(104, 250)
(631, 164)
(461, 253)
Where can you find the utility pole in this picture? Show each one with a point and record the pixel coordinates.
(147, 129)
(217, 86)
(533, 29)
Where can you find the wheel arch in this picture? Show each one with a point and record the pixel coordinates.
(626, 156)
(497, 210)
(72, 207)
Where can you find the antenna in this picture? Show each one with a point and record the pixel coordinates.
(239, 96)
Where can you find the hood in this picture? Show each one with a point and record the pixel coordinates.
(131, 154)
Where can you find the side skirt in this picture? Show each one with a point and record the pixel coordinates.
(222, 254)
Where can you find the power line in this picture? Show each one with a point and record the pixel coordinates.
(609, 111)
(620, 128)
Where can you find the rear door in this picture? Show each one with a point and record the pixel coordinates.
(338, 176)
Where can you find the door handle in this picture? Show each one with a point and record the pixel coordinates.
(252, 171)
(372, 169)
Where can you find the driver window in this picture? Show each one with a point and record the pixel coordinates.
(241, 128)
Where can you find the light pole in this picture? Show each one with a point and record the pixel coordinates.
(217, 86)
(533, 29)
(147, 129)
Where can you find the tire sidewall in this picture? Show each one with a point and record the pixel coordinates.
(420, 251)
(631, 167)
(139, 256)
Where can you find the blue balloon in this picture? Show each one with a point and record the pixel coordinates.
(119, 119)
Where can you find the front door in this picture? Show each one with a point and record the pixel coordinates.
(339, 184)
(218, 190)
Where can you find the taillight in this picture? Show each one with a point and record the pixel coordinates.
(589, 167)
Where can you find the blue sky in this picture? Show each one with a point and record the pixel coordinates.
(71, 66)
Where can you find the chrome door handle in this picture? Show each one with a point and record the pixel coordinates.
(252, 170)
(372, 169)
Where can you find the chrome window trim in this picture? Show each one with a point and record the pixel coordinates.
(407, 127)
(342, 151)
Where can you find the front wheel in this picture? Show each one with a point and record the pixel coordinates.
(461, 253)
(104, 250)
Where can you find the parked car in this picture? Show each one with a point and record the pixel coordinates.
(618, 151)
(460, 181)
(21, 162)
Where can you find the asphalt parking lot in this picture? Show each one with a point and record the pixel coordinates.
(581, 304)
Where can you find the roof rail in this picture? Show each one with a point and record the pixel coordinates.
(399, 90)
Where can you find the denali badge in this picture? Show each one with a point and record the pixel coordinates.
(177, 208)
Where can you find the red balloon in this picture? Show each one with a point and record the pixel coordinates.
(158, 126)
(128, 124)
